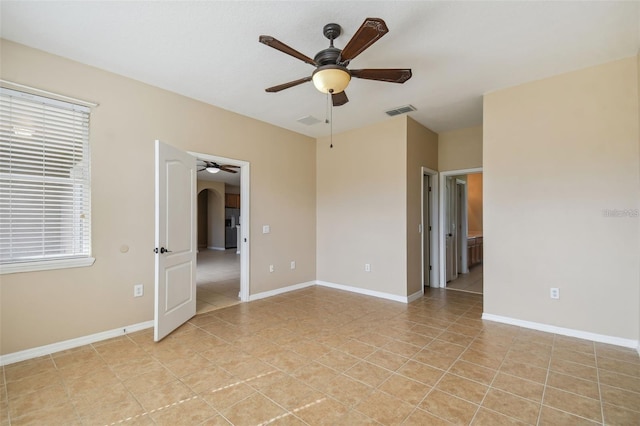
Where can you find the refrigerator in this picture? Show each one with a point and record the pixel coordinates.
(232, 218)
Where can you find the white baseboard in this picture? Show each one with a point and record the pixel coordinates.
(72, 343)
(366, 292)
(278, 291)
(216, 248)
(602, 338)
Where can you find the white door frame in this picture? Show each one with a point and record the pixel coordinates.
(463, 226)
(424, 227)
(441, 212)
(243, 245)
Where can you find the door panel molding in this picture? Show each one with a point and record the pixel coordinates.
(175, 239)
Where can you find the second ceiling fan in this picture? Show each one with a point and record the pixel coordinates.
(213, 167)
(331, 74)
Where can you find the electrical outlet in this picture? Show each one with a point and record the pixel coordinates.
(138, 290)
(555, 293)
(271, 268)
(293, 264)
(367, 267)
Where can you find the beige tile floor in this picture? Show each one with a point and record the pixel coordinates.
(217, 279)
(323, 356)
(471, 282)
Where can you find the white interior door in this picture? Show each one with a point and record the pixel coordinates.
(463, 227)
(175, 283)
(450, 227)
(426, 230)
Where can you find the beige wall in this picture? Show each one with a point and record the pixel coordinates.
(460, 149)
(422, 151)
(361, 208)
(40, 308)
(474, 202)
(203, 206)
(556, 153)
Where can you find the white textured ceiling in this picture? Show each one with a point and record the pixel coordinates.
(209, 50)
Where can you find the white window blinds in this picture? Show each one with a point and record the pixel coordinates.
(45, 202)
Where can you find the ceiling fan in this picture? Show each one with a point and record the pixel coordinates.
(331, 74)
(212, 167)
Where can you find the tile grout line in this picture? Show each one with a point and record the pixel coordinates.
(490, 386)
(595, 353)
(549, 371)
(66, 387)
(445, 372)
(448, 370)
(546, 379)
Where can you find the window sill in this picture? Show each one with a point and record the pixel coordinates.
(45, 265)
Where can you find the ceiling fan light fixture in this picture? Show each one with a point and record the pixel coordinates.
(212, 169)
(331, 78)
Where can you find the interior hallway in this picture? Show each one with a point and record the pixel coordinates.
(324, 356)
(217, 279)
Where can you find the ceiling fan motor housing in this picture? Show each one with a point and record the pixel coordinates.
(330, 76)
(327, 56)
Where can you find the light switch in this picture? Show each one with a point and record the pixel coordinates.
(266, 229)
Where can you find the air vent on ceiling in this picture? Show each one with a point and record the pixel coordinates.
(400, 110)
(308, 120)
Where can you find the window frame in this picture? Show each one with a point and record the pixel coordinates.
(76, 259)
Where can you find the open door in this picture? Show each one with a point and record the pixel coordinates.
(450, 229)
(176, 241)
(426, 231)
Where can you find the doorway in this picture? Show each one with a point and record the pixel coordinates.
(222, 267)
(217, 264)
(429, 229)
(462, 239)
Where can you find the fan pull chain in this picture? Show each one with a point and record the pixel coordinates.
(331, 124)
(326, 110)
(330, 114)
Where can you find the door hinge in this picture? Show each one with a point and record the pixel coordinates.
(429, 189)
(430, 267)
(429, 228)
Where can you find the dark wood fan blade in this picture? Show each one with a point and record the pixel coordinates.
(368, 33)
(278, 45)
(224, 168)
(230, 166)
(287, 85)
(339, 98)
(392, 75)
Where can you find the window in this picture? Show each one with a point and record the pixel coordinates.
(45, 198)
